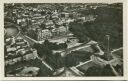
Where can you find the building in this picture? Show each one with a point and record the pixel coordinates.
(44, 34)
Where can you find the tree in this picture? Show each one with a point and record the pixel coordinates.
(79, 31)
(43, 26)
(31, 33)
(108, 21)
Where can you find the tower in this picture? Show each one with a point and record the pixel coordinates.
(108, 54)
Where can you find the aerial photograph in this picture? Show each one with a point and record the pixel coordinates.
(63, 40)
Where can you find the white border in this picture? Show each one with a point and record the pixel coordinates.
(63, 78)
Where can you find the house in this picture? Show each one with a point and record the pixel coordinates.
(18, 51)
(64, 14)
(20, 20)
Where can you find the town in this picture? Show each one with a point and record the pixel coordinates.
(63, 39)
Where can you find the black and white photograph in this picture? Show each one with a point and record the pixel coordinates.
(63, 40)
